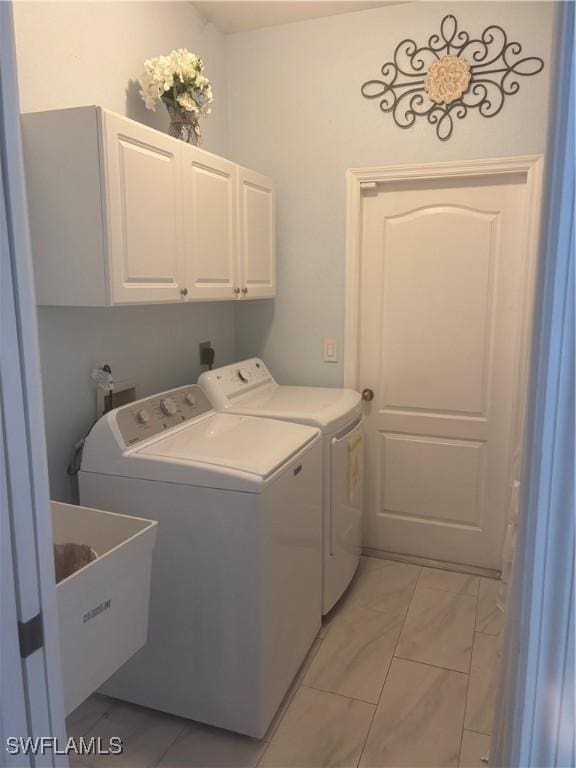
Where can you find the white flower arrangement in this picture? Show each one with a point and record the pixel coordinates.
(178, 81)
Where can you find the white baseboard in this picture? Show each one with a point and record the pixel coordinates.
(474, 570)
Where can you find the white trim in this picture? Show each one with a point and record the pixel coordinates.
(443, 565)
(531, 165)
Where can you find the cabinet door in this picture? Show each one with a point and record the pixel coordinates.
(143, 181)
(257, 235)
(210, 228)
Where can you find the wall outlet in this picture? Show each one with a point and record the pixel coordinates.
(207, 353)
(124, 392)
(330, 351)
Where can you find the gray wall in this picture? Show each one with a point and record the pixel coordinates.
(87, 53)
(156, 346)
(296, 113)
(288, 104)
(75, 53)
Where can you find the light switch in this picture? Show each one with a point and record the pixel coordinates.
(330, 351)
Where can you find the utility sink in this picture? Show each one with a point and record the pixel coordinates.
(103, 607)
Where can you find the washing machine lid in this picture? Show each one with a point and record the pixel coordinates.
(231, 443)
(330, 410)
(176, 437)
(248, 387)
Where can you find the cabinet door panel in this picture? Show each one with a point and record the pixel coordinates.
(257, 235)
(144, 195)
(210, 227)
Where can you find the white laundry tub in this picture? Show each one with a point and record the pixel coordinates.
(103, 608)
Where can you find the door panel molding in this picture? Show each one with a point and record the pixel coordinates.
(421, 210)
(405, 388)
(403, 456)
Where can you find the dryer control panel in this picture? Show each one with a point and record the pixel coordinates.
(234, 380)
(145, 418)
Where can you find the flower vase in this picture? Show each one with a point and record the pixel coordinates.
(183, 125)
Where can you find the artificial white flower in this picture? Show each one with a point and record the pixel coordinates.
(176, 79)
(186, 101)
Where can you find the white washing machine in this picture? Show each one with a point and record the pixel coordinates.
(249, 388)
(236, 575)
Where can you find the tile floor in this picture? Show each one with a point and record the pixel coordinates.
(403, 673)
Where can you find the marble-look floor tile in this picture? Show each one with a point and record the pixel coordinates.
(419, 719)
(383, 586)
(439, 629)
(272, 728)
(486, 652)
(319, 730)
(483, 683)
(146, 735)
(448, 581)
(85, 717)
(489, 619)
(474, 751)
(201, 746)
(356, 653)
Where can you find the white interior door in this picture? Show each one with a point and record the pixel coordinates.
(441, 287)
(144, 189)
(256, 209)
(210, 229)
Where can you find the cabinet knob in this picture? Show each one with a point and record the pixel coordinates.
(236, 291)
(244, 290)
(367, 395)
(184, 291)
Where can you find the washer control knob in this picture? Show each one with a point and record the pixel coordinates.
(142, 416)
(243, 374)
(168, 406)
(189, 399)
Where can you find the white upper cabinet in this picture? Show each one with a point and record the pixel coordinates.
(121, 214)
(257, 235)
(143, 181)
(210, 225)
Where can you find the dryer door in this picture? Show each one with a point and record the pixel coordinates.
(346, 504)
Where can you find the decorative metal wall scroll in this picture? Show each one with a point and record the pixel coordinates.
(450, 75)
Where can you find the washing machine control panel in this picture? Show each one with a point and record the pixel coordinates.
(233, 380)
(146, 418)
